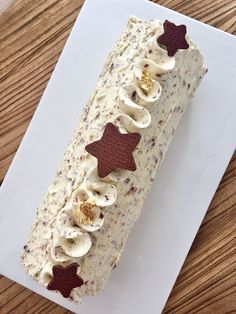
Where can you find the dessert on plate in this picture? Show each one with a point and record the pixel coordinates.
(122, 137)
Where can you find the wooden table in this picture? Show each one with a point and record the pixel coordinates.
(32, 36)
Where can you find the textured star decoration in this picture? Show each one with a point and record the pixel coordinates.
(65, 279)
(114, 150)
(173, 38)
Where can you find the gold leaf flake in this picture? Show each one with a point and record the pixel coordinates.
(146, 83)
(84, 214)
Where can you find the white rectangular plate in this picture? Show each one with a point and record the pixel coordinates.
(186, 183)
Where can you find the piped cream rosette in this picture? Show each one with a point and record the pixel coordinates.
(144, 90)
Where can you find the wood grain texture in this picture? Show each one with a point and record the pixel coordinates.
(33, 34)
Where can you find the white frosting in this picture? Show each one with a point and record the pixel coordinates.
(71, 239)
(113, 100)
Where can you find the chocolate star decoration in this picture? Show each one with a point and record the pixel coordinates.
(173, 38)
(114, 150)
(65, 279)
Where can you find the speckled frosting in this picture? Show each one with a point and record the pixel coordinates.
(56, 238)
